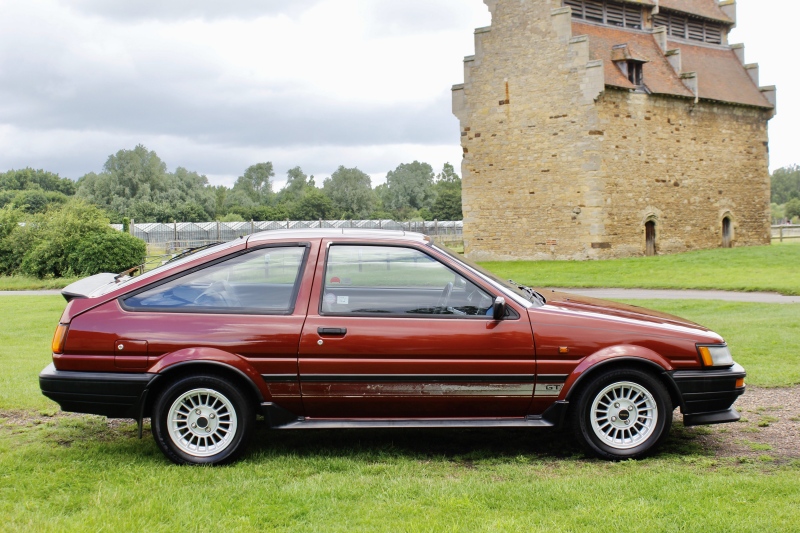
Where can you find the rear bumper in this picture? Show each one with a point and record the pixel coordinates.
(707, 396)
(115, 395)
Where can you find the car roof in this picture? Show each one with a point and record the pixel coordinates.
(346, 233)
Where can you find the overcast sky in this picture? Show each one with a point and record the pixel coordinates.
(215, 86)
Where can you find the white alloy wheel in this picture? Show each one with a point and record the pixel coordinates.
(623, 415)
(202, 422)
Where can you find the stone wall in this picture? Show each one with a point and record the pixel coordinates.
(685, 166)
(557, 166)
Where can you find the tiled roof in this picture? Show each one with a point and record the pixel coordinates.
(659, 76)
(720, 74)
(702, 8)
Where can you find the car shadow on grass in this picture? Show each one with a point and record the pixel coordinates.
(458, 445)
(452, 444)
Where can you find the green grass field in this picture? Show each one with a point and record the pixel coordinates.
(82, 473)
(765, 268)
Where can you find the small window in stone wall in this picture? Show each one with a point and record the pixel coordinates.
(694, 29)
(607, 12)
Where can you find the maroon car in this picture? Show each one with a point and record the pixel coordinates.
(373, 329)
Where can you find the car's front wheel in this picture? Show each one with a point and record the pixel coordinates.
(202, 419)
(622, 414)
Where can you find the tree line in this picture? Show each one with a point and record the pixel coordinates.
(135, 184)
(786, 194)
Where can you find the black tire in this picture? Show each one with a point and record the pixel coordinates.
(622, 414)
(212, 424)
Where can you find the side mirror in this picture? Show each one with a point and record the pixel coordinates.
(499, 308)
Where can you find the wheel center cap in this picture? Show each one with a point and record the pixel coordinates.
(202, 422)
(624, 415)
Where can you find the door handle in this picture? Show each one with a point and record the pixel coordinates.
(338, 332)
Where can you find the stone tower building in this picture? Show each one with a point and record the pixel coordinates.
(608, 128)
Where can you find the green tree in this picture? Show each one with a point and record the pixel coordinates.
(447, 205)
(314, 205)
(792, 208)
(409, 186)
(298, 184)
(351, 192)
(786, 184)
(257, 183)
(28, 178)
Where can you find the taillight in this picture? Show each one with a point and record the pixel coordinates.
(60, 338)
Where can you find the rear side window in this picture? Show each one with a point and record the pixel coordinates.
(390, 280)
(262, 281)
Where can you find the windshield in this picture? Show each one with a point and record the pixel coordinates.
(528, 295)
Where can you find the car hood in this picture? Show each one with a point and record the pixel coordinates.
(619, 315)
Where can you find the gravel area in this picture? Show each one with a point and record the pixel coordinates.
(769, 428)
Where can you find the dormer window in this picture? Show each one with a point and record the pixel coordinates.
(632, 69)
(607, 12)
(630, 63)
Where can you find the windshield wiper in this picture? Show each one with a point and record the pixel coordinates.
(530, 292)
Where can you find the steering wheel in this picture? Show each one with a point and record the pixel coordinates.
(218, 294)
(444, 299)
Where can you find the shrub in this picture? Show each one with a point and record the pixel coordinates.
(11, 246)
(110, 251)
(71, 240)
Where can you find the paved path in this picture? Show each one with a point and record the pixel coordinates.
(28, 293)
(616, 294)
(651, 294)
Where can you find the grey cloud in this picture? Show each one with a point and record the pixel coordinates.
(188, 9)
(281, 120)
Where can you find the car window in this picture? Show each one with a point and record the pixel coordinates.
(396, 281)
(261, 281)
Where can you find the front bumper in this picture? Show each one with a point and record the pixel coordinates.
(707, 396)
(115, 395)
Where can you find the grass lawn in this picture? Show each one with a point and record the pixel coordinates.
(765, 268)
(26, 283)
(82, 473)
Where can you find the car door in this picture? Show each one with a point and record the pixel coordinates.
(396, 331)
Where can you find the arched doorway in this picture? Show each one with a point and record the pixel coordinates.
(650, 237)
(727, 233)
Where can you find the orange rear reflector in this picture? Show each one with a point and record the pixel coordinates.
(60, 338)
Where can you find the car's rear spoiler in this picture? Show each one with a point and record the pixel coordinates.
(86, 286)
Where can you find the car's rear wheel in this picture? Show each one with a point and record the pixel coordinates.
(202, 419)
(622, 414)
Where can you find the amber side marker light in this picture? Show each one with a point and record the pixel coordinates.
(60, 338)
(740, 383)
(705, 353)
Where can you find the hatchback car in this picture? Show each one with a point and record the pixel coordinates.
(373, 329)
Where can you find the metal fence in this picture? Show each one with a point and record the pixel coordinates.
(188, 234)
(785, 232)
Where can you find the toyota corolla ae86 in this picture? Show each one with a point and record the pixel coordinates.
(373, 329)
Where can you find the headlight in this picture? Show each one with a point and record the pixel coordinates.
(715, 355)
